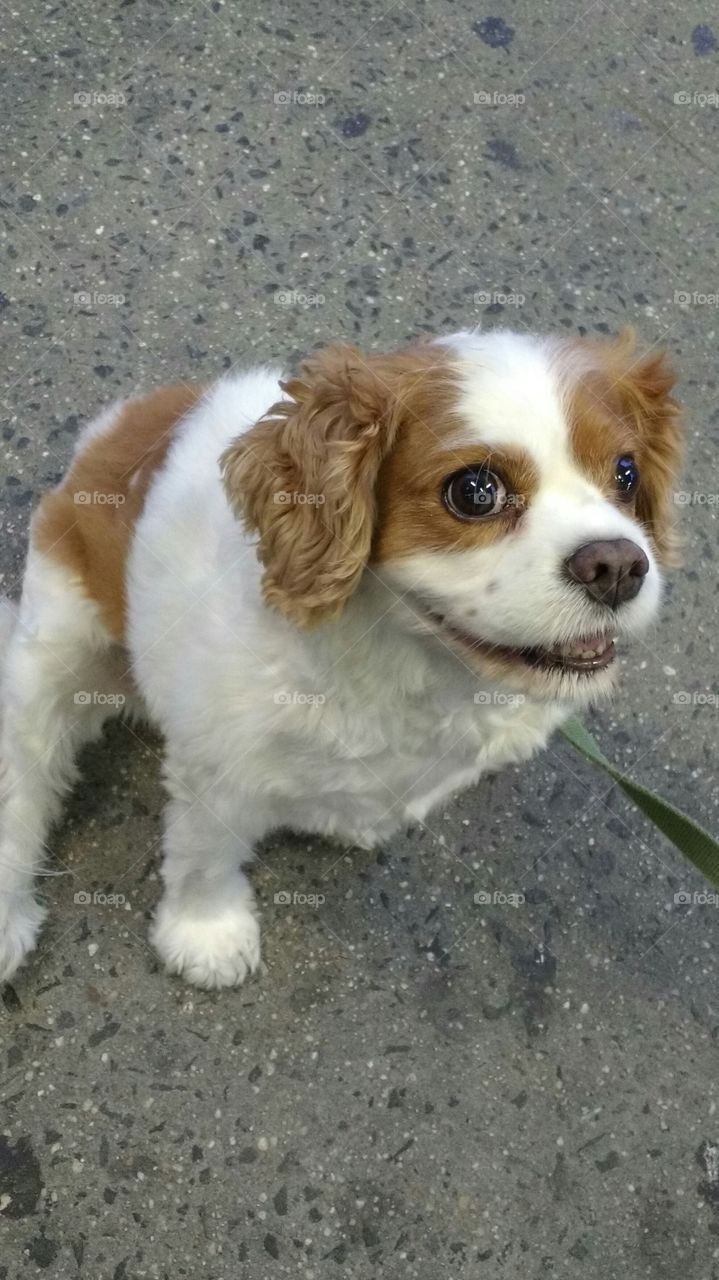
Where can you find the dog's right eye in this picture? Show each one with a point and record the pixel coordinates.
(474, 494)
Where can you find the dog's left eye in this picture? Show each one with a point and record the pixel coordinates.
(474, 493)
(626, 475)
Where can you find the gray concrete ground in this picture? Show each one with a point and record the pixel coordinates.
(416, 1086)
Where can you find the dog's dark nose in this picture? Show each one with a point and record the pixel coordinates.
(611, 572)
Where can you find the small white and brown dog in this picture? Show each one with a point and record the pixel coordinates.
(341, 597)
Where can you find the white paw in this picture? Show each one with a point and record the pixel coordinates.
(20, 919)
(217, 948)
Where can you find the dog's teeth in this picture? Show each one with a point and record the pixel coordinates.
(582, 650)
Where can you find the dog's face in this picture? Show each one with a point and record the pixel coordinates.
(515, 493)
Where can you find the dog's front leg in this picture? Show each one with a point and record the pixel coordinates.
(206, 927)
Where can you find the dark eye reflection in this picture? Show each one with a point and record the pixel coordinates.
(475, 493)
(626, 475)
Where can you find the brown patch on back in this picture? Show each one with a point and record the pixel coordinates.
(87, 523)
(622, 405)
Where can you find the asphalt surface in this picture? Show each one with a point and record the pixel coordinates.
(417, 1085)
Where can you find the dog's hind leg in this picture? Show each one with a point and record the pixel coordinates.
(52, 700)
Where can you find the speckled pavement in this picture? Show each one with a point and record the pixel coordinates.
(418, 1085)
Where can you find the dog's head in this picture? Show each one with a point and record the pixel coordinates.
(514, 492)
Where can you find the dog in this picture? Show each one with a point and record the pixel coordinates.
(341, 596)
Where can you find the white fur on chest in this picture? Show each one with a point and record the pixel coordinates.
(396, 762)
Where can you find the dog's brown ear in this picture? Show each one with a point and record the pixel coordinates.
(304, 478)
(645, 384)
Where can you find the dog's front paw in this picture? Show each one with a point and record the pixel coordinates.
(217, 948)
(21, 917)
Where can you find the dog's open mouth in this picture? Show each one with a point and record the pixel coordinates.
(585, 655)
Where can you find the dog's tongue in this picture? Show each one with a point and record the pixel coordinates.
(587, 647)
